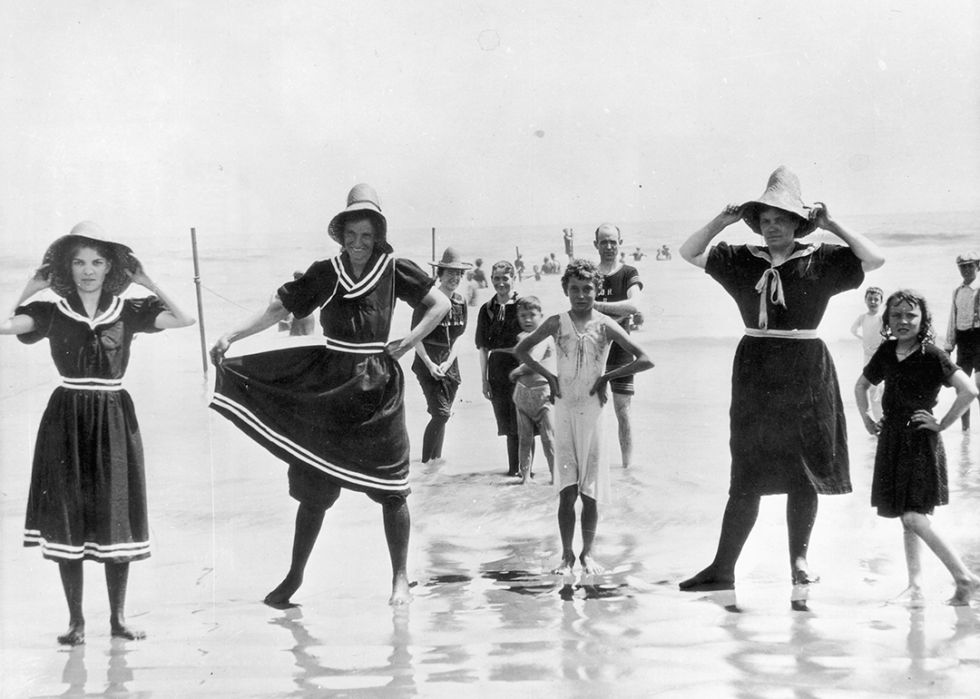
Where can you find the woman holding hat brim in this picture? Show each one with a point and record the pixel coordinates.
(87, 497)
(336, 413)
(435, 363)
(788, 433)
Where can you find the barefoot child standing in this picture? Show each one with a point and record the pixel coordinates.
(582, 337)
(910, 464)
(532, 395)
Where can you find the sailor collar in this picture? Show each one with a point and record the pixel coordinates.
(108, 311)
(353, 288)
(770, 283)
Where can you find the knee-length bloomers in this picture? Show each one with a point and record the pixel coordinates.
(910, 463)
(336, 411)
(87, 496)
(787, 418)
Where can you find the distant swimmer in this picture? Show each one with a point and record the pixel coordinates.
(788, 430)
(663, 253)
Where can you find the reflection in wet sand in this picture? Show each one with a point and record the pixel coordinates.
(315, 676)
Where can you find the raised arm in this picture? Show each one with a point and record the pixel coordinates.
(695, 248)
(272, 314)
(173, 317)
(866, 251)
(18, 325)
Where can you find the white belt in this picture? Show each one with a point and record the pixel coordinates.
(783, 334)
(92, 384)
(355, 347)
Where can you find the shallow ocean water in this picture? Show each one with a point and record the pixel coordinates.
(487, 618)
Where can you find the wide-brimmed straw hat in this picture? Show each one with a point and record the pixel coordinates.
(782, 192)
(120, 257)
(362, 199)
(967, 257)
(450, 260)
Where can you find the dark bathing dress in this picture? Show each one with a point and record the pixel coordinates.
(440, 394)
(333, 412)
(787, 418)
(87, 498)
(910, 463)
(497, 327)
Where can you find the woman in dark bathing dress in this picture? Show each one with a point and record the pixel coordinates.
(87, 498)
(788, 433)
(335, 413)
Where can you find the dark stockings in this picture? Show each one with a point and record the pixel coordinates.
(433, 437)
(740, 517)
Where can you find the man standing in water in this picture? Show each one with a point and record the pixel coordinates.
(963, 332)
(619, 297)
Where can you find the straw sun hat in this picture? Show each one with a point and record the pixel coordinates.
(88, 233)
(782, 192)
(360, 200)
(450, 260)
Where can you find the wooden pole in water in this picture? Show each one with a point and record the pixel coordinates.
(200, 303)
(433, 242)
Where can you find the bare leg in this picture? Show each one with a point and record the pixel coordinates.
(72, 582)
(116, 581)
(308, 523)
(590, 521)
(398, 527)
(967, 584)
(740, 516)
(623, 406)
(912, 595)
(513, 455)
(801, 513)
(566, 527)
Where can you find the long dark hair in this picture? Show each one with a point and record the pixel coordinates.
(912, 298)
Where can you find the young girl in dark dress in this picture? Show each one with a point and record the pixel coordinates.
(87, 497)
(910, 464)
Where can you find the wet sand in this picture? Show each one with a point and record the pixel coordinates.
(487, 619)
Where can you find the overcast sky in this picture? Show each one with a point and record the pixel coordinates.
(151, 117)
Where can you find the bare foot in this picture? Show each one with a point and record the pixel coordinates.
(525, 479)
(590, 566)
(567, 565)
(280, 597)
(911, 596)
(75, 636)
(121, 630)
(965, 591)
(708, 580)
(400, 591)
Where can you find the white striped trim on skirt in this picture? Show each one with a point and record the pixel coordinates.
(304, 455)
